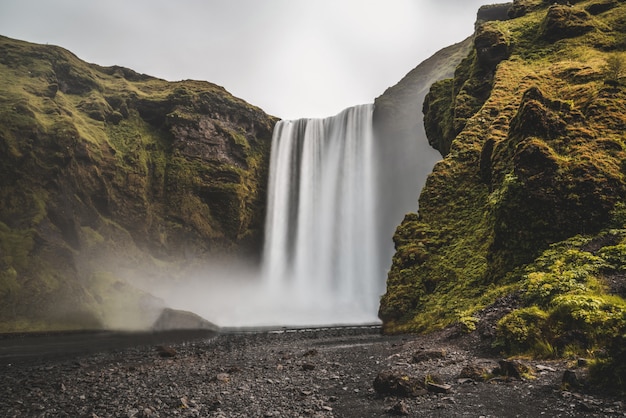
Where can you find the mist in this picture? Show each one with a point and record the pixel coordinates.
(234, 294)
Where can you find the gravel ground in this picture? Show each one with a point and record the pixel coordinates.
(308, 373)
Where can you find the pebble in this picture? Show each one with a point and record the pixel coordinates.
(238, 376)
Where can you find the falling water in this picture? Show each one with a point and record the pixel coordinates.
(321, 257)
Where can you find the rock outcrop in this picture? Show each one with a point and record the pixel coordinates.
(106, 174)
(528, 203)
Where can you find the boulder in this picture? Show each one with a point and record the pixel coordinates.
(511, 368)
(174, 319)
(425, 355)
(474, 372)
(396, 383)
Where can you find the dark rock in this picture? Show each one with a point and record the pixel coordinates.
(396, 383)
(570, 380)
(174, 319)
(493, 12)
(601, 6)
(426, 355)
(308, 366)
(399, 409)
(511, 368)
(438, 388)
(585, 407)
(474, 372)
(311, 352)
(51, 91)
(165, 351)
(489, 316)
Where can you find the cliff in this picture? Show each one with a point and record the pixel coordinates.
(105, 172)
(400, 138)
(520, 235)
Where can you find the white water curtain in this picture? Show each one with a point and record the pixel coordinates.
(321, 247)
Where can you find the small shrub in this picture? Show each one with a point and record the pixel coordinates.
(543, 349)
(468, 323)
(615, 67)
(521, 330)
(615, 256)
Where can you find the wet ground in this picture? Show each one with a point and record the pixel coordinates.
(283, 373)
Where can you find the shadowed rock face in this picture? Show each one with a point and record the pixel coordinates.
(491, 45)
(107, 174)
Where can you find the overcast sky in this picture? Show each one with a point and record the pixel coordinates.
(292, 58)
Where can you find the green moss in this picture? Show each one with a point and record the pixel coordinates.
(524, 201)
(438, 115)
(104, 161)
(522, 330)
(567, 310)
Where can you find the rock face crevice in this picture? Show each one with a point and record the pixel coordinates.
(106, 173)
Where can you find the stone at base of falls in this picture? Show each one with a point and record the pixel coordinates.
(396, 383)
(174, 319)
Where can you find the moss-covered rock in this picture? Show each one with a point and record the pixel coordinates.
(564, 21)
(527, 204)
(100, 164)
(451, 102)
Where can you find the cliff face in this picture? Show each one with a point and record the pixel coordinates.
(103, 170)
(401, 140)
(520, 230)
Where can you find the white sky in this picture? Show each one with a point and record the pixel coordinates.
(292, 58)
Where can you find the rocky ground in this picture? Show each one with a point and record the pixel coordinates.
(349, 372)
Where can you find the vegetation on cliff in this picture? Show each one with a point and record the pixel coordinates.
(526, 210)
(103, 170)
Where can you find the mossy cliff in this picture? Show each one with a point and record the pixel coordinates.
(521, 232)
(103, 170)
(401, 140)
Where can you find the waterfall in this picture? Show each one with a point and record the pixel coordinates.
(321, 254)
(335, 196)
